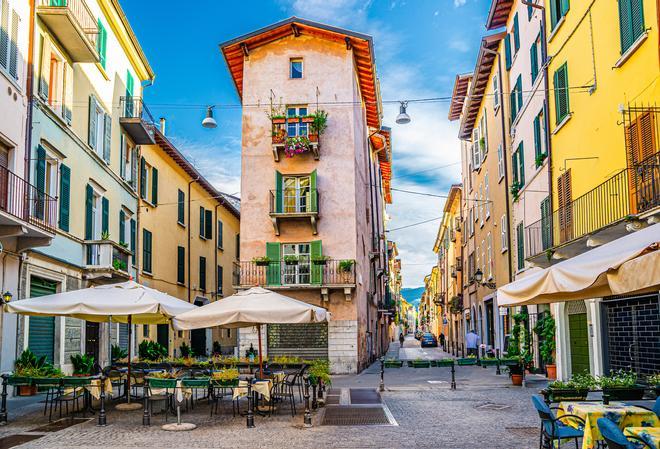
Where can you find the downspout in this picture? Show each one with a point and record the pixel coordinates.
(189, 237)
(215, 251)
(29, 89)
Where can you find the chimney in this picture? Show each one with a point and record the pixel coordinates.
(162, 125)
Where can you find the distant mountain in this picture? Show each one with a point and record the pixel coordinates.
(412, 295)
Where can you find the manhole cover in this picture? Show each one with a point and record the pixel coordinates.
(364, 396)
(523, 431)
(354, 416)
(15, 440)
(492, 406)
(60, 424)
(332, 400)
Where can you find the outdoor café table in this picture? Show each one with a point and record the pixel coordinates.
(623, 415)
(650, 435)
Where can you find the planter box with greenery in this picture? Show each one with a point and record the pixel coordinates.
(421, 364)
(261, 261)
(291, 260)
(393, 363)
(465, 361)
(160, 382)
(621, 385)
(444, 362)
(488, 361)
(320, 260)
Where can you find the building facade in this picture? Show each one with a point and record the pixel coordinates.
(314, 197)
(188, 242)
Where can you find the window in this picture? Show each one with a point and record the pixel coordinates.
(530, 11)
(148, 182)
(205, 223)
(496, 92)
(516, 99)
(507, 50)
(181, 207)
(538, 139)
(483, 139)
(99, 130)
(202, 274)
(300, 273)
(124, 227)
(145, 331)
(219, 280)
(535, 57)
(520, 238)
(220, 235)
(487, 196)
(180, 265)
(146, 251)
(489, 255)
(101, 43)
(297, 194)
(238, 246)
(471, 267)
(127, 161)
(519, 165)
(471, 220)
(480, 205)
(65, 197)
(516, 34)
(500, 162)
(631, 22)
(558, 9)
(55, 79)
(504, 233)
(295, 127)
(295, 68)
(561, 94)
(9, 40)
(46, 178)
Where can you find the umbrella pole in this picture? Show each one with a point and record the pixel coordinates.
(130, 343)
(261, 361)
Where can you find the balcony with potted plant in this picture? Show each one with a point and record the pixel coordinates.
(296, 134)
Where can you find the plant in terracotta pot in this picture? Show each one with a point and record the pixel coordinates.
(318, 125)
(28, 367)
(83, 364)
(545, 329)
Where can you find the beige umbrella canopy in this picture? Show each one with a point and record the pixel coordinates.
(629, 264)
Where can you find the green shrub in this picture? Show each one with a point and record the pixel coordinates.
(83, 364)
(117, 353)
(151, 351)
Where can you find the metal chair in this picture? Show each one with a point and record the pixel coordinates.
(285, 390)
(656, 407)
(615, 438)
(552, 429)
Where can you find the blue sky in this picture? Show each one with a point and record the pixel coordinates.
(420, 46)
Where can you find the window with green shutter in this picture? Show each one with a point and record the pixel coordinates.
(65, 197)
(631, 22)
(314, 191)
(521, 164)
(181, 207)
(89, 215)
(558, 9)
(538, 139)
(546, 230)
(143, 178)
(122, 226)
(181, 265)
(202, 217)
(514, 165)
(279, 192)
(220, 274)
(105, 215)
(101, 43)
(146, 251)
(41, 183)
(154, 186)
(273, 271)
(208, 224)
(133, 225)
(561, 93)
(534, 59)
(129, 95)
(202, 273)
(516, 34)
(507, 51)
(220, 235)
(521, 245)
(515, 98)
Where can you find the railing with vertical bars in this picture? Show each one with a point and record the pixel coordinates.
(81, 12)
(303, 272)
(26, 202)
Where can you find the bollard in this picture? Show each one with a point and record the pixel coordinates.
(102, 417)
(381, 387)
(321, 389)
(497, 355)
(3, 408)
(315, 403)
(250, 412)
(146, 416)
(462, 350)
(308, 414)
(453, 377)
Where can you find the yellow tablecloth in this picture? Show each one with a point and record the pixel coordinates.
(622, 415)
(650, 435)
(179, 392)
(93, 387)
(261, 386)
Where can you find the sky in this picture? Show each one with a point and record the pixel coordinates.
(420, 46)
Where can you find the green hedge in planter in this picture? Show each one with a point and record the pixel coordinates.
(393, 363)
(467, 361)
(488, 362)
(634, 393)
(509, 362)
(444, 362)
(565, 394)
(421, 363)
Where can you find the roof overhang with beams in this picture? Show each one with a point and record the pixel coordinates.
(498, 13)
(236, 50)
(381, 144)
(191, 171)
(458, 95)
(482, 70)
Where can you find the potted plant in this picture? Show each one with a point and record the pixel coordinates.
(307, 119)
(420, 363)
(519, 352)
(261, 261)
(515, 189)
(320, 260)
(291, 259)
(444, 362)
(346, 269)
(296, 145)
(185, 350)
(654, 382)
(151, 351)
(621, 385)
(539, 159)
(545, 329)
(393, 363)
(575, 389)
(163, 379)
(29, 367)
(276, 114)
(226, 378)
(465, 361)
(119, 265)
(83, 365)
(117, 354)
(319, 372)
(318, 126)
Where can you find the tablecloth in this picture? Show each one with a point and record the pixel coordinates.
(260, 386)
(93, 387)
(650, 435)
(179, 392)
(623, 415)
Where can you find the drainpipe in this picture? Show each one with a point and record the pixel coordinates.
(29, 89)
(215, 251)
(189, 237)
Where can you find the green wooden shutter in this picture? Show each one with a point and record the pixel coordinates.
(514, 165)
(516, 34)
(122, 228)
(146, 251)
(122, 166)
(220, 275)
(41, 183)
(521, 246)
(530, 12)
(128, 112)
(273, 272)
(65, 196)
(553, 14)
(202, 273)
(208, 224)
(537, 137)
(279, 193)
(546, 231)
(91, 131)
(521, 162)
(143, 179)
(315, 199)
(561, 93)
(519, 94)
(154, 186)
(41, 329)
(101, 43)
(181, 211)
(133, 239)
(637, 18)
(107, 137)
(220, 234)
(564, 7)
(89, 202)
(317, 270)
(533, 55)
(180, 265)
(202, 215)
(105, 211)
(507, 51)
(631, 22)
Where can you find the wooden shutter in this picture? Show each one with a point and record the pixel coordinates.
(516, 34)
(91, 134)
(180, 265)
(507, 51)
(514, 166)
(105, 211)
(122, 166)
(208, 224)
(107, 137)
(625, 24)
(521, 163)
(146, 251)
(68, 93)
(533, 57)
(220, 234)
(65, 196)
(273, 273)
(538, 145)
(520, 240)
(279, 193)
(134, 168)
(154, 186)
(4, 33)
(122, 228)
(202, 228)
(636, 18)
(202, 274)
(565, 206)
(13, 46)
(128, 111)
(101, 43)
(133, 225)
(219, 280)
(143, 179)
(89, 202)
(564, 7)
(561, 93)
(519, 94)
(44, 72)
(41, 182)
(314, 202)
(546, 231)
(181, 207)
(317, 270)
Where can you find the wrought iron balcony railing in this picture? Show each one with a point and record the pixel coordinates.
(302, 273)
(136, 120)
(24, 201)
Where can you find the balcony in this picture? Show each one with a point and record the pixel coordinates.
(294, 205)
(136, 120)
(291, 144)
(603, 214)
(453, 271)
(304, 275)
(107, 261)
(73, 25)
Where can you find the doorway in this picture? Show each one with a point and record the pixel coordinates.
(579, 342)
(490, 324)
(92, 338)
(41, 329)
(198, 336)
(163, 336)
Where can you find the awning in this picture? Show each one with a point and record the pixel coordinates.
(626, 265)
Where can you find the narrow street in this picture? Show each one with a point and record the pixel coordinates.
(412, 350)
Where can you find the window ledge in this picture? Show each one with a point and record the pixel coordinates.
(147, 273)
(632, 49)
(562, 123)
(183, 225)
(220, 248)
(554, 31)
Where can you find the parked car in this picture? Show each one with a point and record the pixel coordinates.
(429, 340)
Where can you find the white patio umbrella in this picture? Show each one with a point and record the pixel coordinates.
(125, 302)
(252, 307)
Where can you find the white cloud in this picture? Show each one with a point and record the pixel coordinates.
(459, 45)
(459, 3)
(335, 12)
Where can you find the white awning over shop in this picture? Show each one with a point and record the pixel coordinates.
(629, 264)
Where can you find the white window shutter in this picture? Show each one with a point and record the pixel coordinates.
(107, 137)
(92, 122)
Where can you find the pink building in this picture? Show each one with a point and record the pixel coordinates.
(315, 181)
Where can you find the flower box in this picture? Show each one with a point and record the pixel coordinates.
(279, 121)
(19, 380)
(488, 362)
(156, 382)
(467, 361)
(444, 362)
(198, 382)
(291, 262)
(634, 393)
(319, 261)
(565, 394)
(509, 362)
(421, 364)
(393, 363)
(262, 263)
(409, 363)
(307, 119)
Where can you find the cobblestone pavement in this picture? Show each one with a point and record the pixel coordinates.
(484, 411)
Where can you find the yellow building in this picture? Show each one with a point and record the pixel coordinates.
(187, 242)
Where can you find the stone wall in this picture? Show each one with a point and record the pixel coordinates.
(342, 346)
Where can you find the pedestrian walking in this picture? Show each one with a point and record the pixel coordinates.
(472, 342)
(401, 339)
(442, 341)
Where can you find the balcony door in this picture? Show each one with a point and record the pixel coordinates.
(4, 177)
(294, 126)
(297, 192)
(299, 273)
